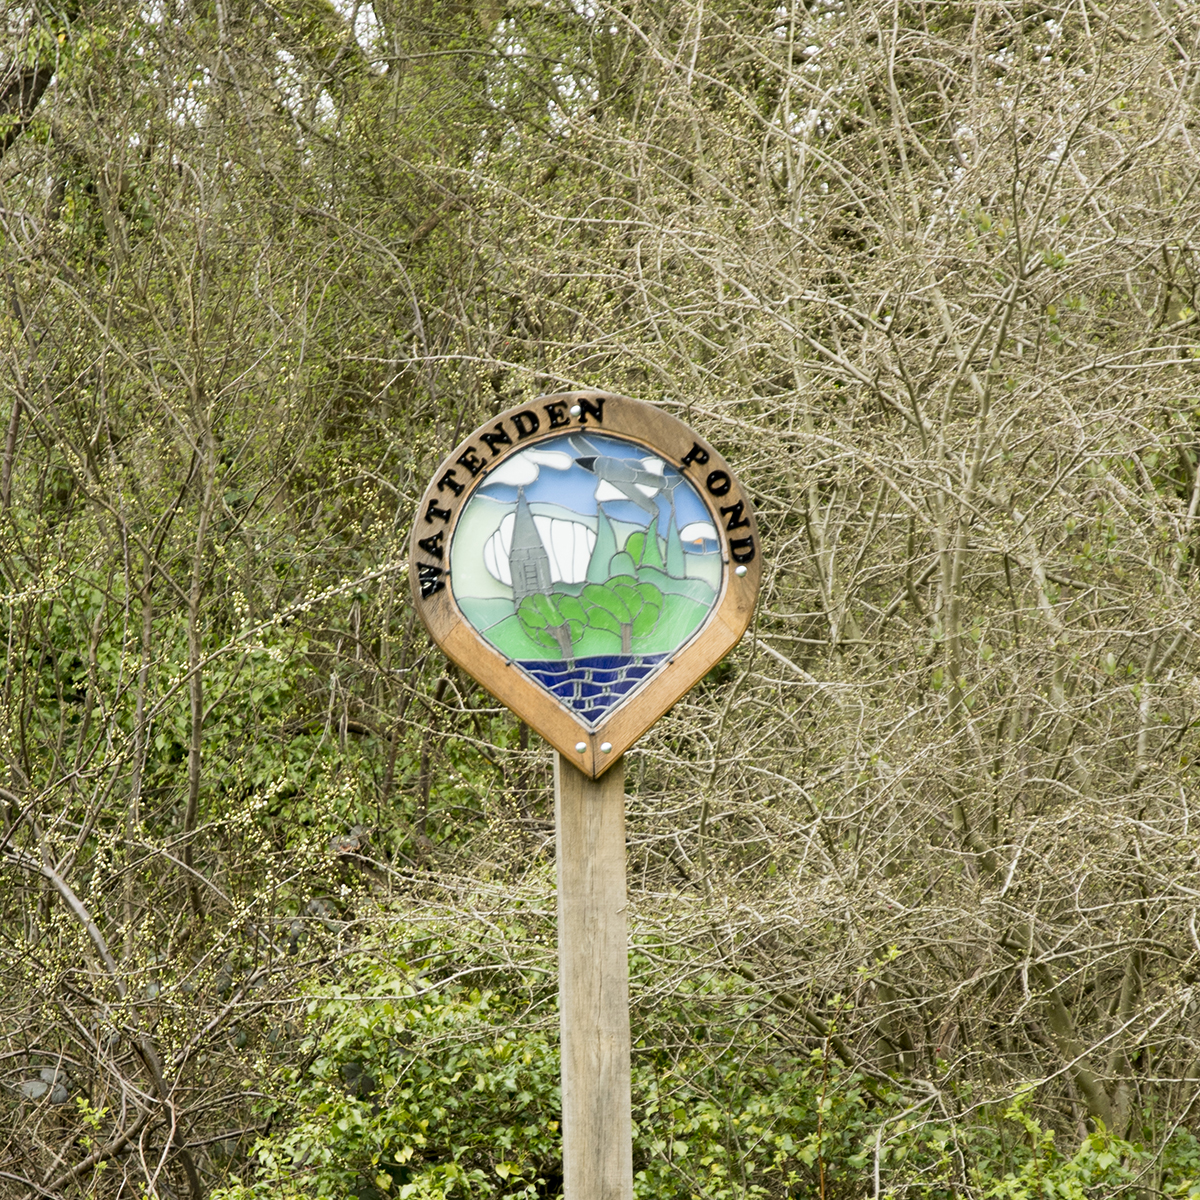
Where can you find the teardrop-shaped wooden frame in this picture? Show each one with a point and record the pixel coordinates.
(468, 466)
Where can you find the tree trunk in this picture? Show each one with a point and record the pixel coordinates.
(562, 635)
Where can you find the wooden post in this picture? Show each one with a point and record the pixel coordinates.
(641, 452)
(593, 982)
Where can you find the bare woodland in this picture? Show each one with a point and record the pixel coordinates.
(922, 848)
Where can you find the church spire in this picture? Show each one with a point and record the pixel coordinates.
(528, 562)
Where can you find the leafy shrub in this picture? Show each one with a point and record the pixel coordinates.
(413, 1093)
(429, 1092)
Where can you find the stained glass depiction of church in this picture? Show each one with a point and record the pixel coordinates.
(587, 562)
(528, 562)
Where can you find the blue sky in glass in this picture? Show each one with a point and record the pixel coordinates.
(575, 488)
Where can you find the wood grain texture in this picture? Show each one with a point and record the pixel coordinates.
(593, 983)
(671, 439)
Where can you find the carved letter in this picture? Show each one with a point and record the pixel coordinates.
(718, 483)
(436, 510)
(448, 481)
(697, 454)
(741, 550)
(736, 519)
(471, 460)
(499, 438)
(557, 411)
(591, 408)
(432, 545)
(520, 419)
(430, 579)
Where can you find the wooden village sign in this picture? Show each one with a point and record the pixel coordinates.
(587, 558)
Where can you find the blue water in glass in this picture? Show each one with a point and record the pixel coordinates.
(590, 687)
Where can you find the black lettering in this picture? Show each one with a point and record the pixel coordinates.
(557, 412)
(519, 420)
(448, 481)
(736, 519)
(697, 454)
(591, 408)
(436, 510)
(499, 438)
(741, 550)
(432, 545)
(430, 579)
(718, 483)
(471, 461)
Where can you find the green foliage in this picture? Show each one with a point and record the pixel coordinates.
(927, 275)
(1102, 1165)
(638, 604)
(421, 1090)
(645, 548)
(733, 1124)
(429, 1090)
(415, 1091)
(555, 621)
(622, 606)
(606, 608)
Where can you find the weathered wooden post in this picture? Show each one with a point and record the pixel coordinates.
(587, 558)
(593, 982)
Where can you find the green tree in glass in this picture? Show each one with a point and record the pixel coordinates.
(553, 621)
(645, 549)
(624, 607)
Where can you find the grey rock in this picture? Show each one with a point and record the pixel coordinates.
(52, 1081)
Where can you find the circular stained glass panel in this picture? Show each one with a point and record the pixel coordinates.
(587, 561)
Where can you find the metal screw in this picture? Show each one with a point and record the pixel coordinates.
(580, 747)
(740, 571)
(605, 747)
